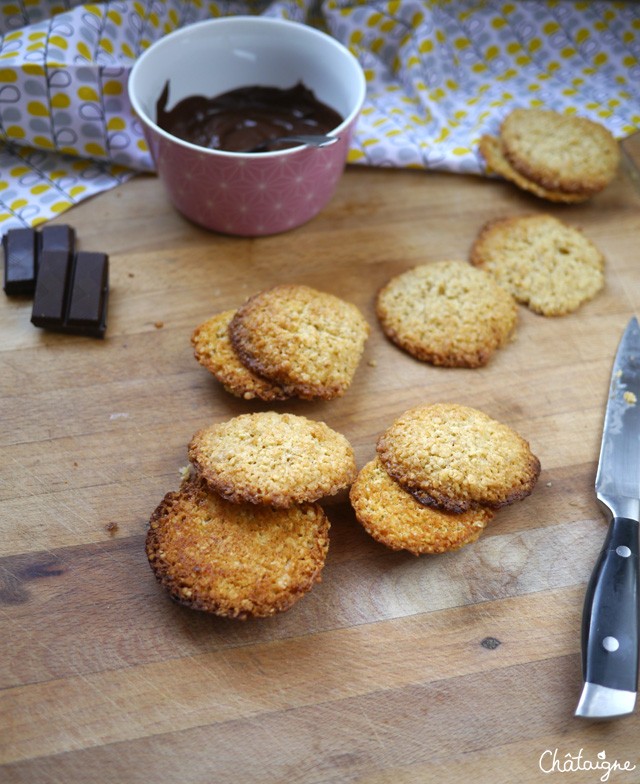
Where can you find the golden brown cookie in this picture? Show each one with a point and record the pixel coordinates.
(235, 560)
(213, 350)
(457, 458)
(491, 150)
(273, 459)
(393, 517)
(447, 313)
(547, 265)
(300, 338)
(558, 151)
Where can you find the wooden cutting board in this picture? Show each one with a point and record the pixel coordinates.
(453, 668)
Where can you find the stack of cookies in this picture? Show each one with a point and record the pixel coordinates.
(284, 342)
(440, 474)
(558, 157)
(244, 537)
(447, 313)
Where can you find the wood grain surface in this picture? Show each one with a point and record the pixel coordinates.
(454, 668)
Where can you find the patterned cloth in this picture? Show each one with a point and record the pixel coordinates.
(439, 74)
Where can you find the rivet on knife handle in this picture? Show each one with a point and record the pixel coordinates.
(610, 621)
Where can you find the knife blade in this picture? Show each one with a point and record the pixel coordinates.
(610, 619)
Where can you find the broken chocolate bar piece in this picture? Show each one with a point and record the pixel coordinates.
(71, 292)
(88, 305)
(50, 298)
(57, 238)
(22, 251)
(20, 261)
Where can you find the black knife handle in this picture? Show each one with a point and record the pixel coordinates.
(610, 620)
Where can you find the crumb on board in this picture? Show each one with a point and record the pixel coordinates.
(372, 363)
(159, 324)
(111, 528)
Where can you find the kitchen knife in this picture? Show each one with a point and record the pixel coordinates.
(610, 617)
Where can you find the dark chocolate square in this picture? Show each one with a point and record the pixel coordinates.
(57, 238)
(20, 261)
(87, 307)
(51, 294)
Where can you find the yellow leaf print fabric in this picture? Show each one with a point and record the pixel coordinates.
(440, 73)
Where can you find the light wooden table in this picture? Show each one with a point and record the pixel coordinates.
(454, 668)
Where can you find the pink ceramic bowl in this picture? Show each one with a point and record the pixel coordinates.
(247, 194)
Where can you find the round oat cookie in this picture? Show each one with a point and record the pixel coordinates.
(560, 152)
(447, 313)
(457, 458)
(273, 459)
(547, 265)
(300, 338)
(213, 350)
(491, 150)
(235, 560)
(393, 517)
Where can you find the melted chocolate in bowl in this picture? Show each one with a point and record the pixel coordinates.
(246, 118)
